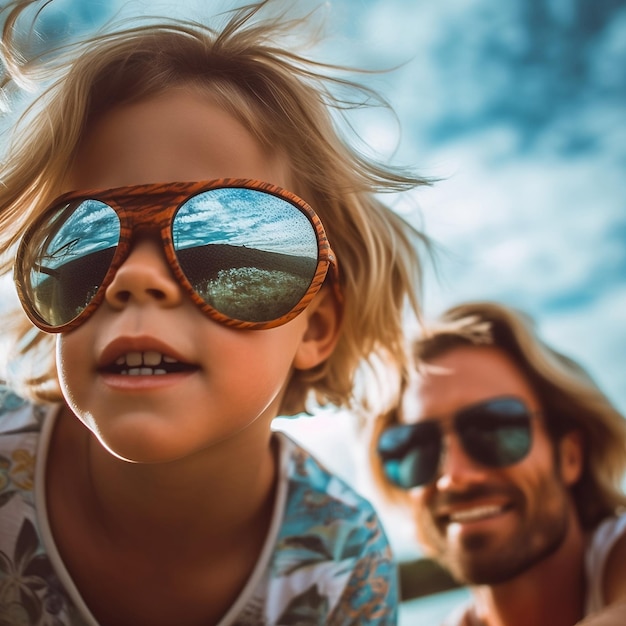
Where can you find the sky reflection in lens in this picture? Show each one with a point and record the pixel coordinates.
(244, 217)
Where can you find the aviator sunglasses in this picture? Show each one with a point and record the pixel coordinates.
(494, 433)
(249, 254)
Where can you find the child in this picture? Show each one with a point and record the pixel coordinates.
(191, 299)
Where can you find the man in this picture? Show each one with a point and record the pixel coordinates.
(511, 461)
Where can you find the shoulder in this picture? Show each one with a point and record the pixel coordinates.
(39, 595)
(605, 564)
(18, 415)
(316, 494)
(20, 430)
(331, 544)
(460, 616)
(615, 568)
(607, 538)
(20, 427)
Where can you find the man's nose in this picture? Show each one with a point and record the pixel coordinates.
(457, 469)
(144, 277)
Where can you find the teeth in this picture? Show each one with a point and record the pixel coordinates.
(143, 371)
(133, 359)
(143, 363)
(479, 512)
(151, 358)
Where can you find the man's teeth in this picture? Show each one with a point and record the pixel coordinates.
(479, 512)
(143, 363)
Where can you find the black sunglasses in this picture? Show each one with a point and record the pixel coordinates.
(494, 433)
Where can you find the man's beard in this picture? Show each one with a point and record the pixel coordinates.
(475, 561)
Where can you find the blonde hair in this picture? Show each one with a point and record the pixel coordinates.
(285, 100)
(569, 398)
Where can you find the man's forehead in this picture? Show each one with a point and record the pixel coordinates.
(462, 376)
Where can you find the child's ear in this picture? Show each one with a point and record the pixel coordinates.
(571, 456)
(322, 331)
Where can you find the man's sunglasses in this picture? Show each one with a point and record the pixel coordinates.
(494, 433)
(249, 254)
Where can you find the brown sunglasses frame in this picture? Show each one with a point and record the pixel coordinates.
(153, 207)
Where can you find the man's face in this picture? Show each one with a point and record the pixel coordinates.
(487, 525)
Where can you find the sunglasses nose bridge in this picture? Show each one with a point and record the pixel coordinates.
(145, 217)
(148, 214)
(457, 468)
(148, 218)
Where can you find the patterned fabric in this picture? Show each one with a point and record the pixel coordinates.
(326, 560)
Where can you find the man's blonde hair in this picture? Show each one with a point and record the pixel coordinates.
(285, 100)
(568, 396)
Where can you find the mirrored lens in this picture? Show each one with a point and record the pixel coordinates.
(249, 254)
(496, 433)
(410, 453)
(67, 258)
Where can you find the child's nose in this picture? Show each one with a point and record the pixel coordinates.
(144, 277)
(457, 469)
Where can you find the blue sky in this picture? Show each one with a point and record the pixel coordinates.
(519, 108)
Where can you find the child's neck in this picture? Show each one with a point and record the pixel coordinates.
(205, 518)
(214, 492)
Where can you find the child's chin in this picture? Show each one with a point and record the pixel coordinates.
(147, 447)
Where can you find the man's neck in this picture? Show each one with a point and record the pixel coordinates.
(551, 593)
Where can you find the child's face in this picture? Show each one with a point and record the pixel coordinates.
(227, 382)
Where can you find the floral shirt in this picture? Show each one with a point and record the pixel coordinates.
(326, 560)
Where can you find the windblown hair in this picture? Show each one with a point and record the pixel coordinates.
(286, 100)
(569, 398)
